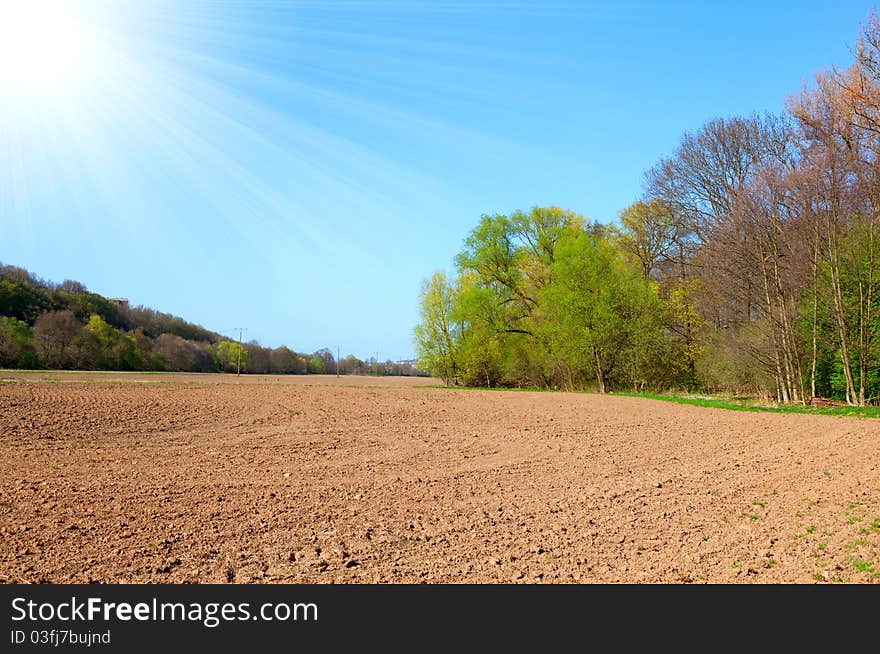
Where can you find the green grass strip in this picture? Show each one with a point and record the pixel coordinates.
(730, 404)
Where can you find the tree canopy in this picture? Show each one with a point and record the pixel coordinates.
(749, 265)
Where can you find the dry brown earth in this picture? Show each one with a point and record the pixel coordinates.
(210, 478)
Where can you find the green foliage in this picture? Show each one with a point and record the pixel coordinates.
(858, 249)
(603, 317)
(111, 349)
(228, 353)
(541, 299)
(104, 334)
(16, 346)
(20, 300)
(43, 324)
(648, 230)
(685, 323)
(437, 335)
(85, 305)
(511, 257)
(316, 365)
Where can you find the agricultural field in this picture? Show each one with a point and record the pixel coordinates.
(180, 478)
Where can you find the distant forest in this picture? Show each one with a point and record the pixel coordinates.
(64, 326)
(751, 265)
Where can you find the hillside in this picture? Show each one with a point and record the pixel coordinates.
(65, 326)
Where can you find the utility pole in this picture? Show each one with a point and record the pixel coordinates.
(337, 362)
(241, 330)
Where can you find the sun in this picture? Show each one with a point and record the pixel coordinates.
(43, 46)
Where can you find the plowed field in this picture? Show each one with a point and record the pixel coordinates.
(189, 478)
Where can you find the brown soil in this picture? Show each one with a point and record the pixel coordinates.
(192, 478)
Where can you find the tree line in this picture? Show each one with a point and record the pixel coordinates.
(750, 265)
(65, 326)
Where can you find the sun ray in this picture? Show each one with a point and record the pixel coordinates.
(207, 130)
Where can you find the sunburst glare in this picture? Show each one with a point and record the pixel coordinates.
(46, 47)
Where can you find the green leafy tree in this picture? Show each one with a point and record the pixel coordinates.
(478, 346)
(683, 322)
(228, 353)
(437, 334)
(505, 264)
(19, 299)
(16, 346)
(315, 365)
(105, 339)
(648, 233)
(112, 349)
(602, 313)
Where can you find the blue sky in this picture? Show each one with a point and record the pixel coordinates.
(299, 167)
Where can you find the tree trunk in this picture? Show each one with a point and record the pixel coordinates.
(869, 318)
(863, 343)
(781, 386)
(792, 361)
(600, 374)
(840, 318)
(815, 314)
(866, 299)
